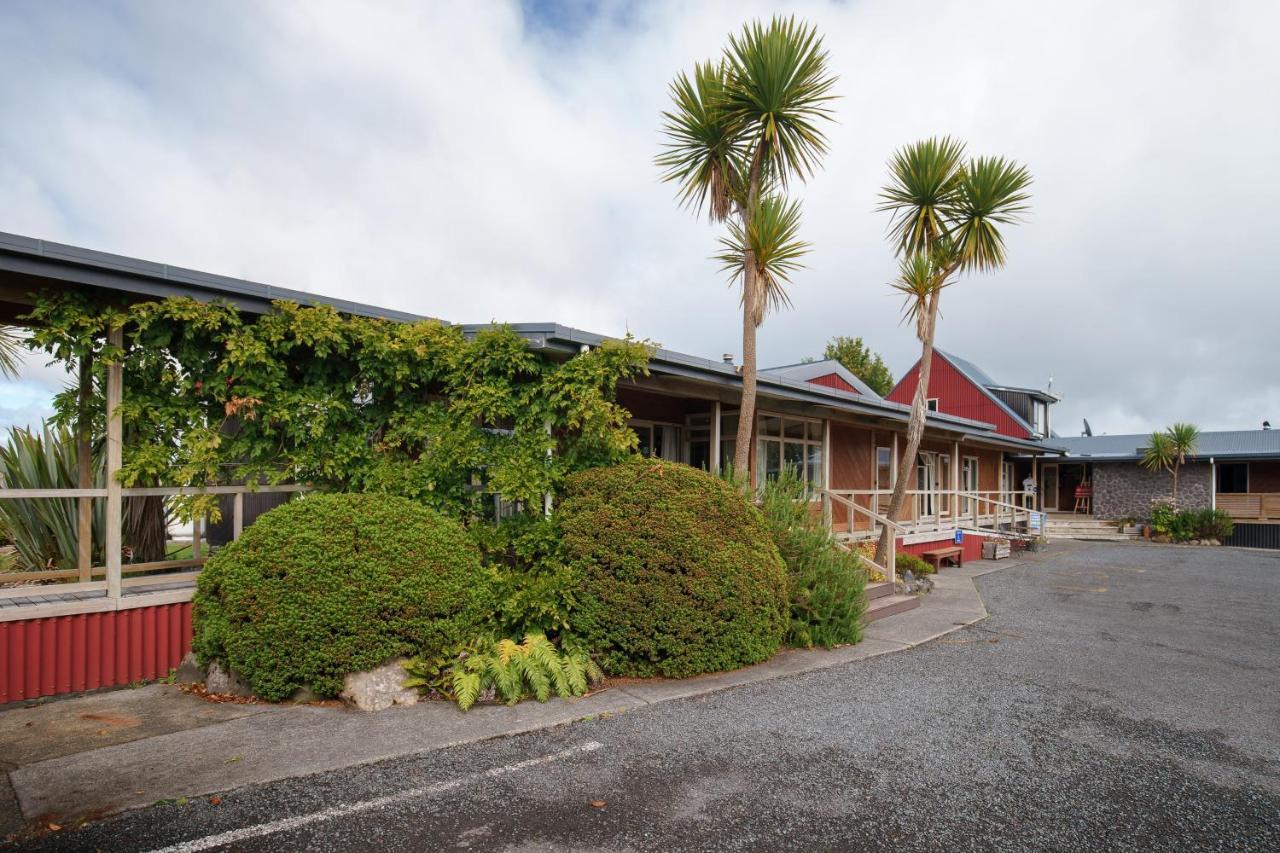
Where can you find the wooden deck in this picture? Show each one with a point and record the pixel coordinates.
(45, 600)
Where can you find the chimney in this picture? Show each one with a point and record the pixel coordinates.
(1266, 424)
(728, 358)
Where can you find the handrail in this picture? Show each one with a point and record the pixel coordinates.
(875, 516)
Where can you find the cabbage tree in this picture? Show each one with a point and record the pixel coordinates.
(947, 211)
(741, 127)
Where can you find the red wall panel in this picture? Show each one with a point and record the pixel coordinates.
(67, 654)
(834, 380)
(957, 395)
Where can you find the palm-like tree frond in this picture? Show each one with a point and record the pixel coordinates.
(772, 240)
(10, 350)
(1183, 438)
(923, 192)
(1159, 454)
(919, 280)
(992, 192)
(779, 90)
(704, 149)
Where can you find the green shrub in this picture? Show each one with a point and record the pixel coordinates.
(1188, 524)
(905, 562)
(333, 584)
(680, 574)
(513, 671)
(826, 584)
(537, 588)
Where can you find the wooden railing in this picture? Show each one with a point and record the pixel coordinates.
(830, 499)
(1252, 507)
(52, 580)
(927, 511)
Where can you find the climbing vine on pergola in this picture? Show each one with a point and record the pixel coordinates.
(213, 396)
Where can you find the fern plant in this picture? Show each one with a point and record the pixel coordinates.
(512, 670)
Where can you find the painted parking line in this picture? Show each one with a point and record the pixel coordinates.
(290, 823)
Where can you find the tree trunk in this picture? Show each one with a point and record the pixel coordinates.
(1175, 485)
(145, 531)
(746, 412)
(915, 433)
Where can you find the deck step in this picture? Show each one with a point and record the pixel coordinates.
(888, 605)
(879, 590)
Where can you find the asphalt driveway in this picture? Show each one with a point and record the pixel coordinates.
(1119, 697)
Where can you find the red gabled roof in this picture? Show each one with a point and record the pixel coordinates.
(959, 395)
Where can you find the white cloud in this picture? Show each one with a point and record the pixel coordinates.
(454, 161)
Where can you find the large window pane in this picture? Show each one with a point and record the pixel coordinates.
(793, 455)
(815, 431)
(793, 429)
(771, 458)
(771, 426)
(814, 466)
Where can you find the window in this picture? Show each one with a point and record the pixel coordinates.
(931, 404)
(944, 483)
(884, 468)
(1233, 478)
(658, 441)
(698, 432)
(728, 439)
(793, 443)
(1040, 415)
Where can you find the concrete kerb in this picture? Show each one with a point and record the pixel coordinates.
(304, 740)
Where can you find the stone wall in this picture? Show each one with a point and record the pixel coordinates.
(1126, 489)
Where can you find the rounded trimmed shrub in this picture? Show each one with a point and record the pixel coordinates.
(680, 574)
(328, 585)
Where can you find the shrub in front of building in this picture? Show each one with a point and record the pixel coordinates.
(680, 574)
(331, 584)
(911, 563)
(826, 585)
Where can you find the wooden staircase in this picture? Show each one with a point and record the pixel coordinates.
(882, 601)
(1069, 526)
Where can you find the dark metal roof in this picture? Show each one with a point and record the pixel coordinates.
(670, 362)
(58, 262)
(1250, 443)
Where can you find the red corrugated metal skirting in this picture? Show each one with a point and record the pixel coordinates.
(972, 546)
(67, 654)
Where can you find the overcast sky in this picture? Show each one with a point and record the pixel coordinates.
(493, 161)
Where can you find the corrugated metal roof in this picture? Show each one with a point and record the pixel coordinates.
(74, 265)
(681, 364)
(1226, 444)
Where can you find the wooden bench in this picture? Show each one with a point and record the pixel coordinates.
(955, 554)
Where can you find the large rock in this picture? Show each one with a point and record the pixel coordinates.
(189, 671)
(379, 689)
(222, 682)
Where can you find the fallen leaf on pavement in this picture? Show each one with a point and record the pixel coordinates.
(215, 801)
(597, 804)
(54, 827)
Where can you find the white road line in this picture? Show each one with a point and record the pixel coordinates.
(290, 823)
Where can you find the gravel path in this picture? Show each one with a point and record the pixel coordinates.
(1119, 697)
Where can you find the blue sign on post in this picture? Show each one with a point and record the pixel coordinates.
(959, 536)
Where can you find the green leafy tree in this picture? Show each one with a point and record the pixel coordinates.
(1168, 450)
(947, 212)
(743, 126)
(859, 360)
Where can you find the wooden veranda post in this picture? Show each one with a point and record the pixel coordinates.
(955, 484)
(84, 463)
(115, 460)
